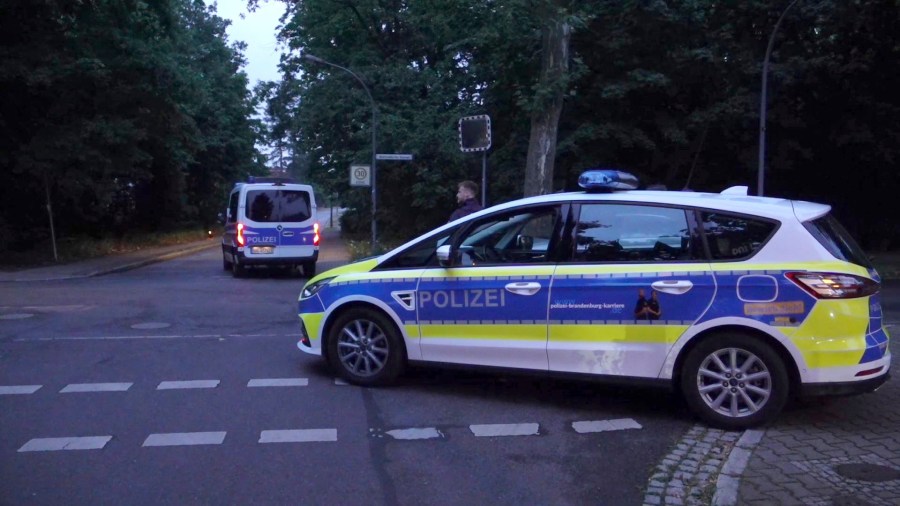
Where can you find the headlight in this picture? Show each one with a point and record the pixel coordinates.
(313, 288)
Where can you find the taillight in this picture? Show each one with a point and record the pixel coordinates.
(829, 285)
(240, 234)
(316, 236)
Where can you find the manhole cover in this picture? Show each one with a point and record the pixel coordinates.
(150, 325)
(16, 316)
(867, 472)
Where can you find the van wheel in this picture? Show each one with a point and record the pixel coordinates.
(309, 269)
(237, 270)
(365, 348)
(734, 381)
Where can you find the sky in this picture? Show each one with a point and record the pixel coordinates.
(257, 29)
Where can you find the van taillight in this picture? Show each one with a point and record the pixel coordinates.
(829, 285)
(240, 234)
(316, 236)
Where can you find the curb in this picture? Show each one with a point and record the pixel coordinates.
(729, 481)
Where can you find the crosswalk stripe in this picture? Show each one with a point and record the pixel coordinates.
(605, 425)
(95, 387)
(50, 444)
(19, 389)
(185, 439)
(298, 436)
(505, 429)
(174, 385)
(415, 433)
(278, 382)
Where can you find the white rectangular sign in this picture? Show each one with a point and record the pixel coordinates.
(394, 156)
(360, 175)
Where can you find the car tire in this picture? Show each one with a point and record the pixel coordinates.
(309, 269)
(365, 347)
(237, 270)
(757, 381)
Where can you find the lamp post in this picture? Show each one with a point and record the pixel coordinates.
(316, 59)
(761, 169)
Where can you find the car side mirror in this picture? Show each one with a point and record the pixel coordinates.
(221, 217)
(445, 255)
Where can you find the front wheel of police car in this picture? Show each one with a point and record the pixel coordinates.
(734, 381)
(365, 348)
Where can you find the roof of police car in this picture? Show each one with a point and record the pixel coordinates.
(733, 202)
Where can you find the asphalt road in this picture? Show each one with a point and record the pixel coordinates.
(197, 394)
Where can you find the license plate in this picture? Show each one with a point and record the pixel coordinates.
(262, 250)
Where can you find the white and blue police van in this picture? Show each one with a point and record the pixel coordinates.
(737, 303)
(270, 222)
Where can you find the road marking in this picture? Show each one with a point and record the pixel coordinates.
(95, 387)
(279, 382)
(415, 433)
(298, 436)
(185, 439)
(19, 389)
(605, 425)
(505, 429)
(112, 338)
(340, 382)
(16, 316)
(51, 444)
(175, 385)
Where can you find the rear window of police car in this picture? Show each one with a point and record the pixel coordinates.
(267, 206)
(835, 238)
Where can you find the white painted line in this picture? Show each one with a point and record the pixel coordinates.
(175, 385)
(341, 382)
(95, 387)
(19, 389)
(605, 425)
(415, 433)
(51, 444)
(505, 429)
(298, 436)
(185, 439)
(279, 382)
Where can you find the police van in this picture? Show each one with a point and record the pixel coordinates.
(270, 222)
(735, 302)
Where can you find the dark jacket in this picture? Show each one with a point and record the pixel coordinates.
(466, 208)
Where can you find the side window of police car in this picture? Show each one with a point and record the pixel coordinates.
(523, 236)
(633, 233)
(735, 237)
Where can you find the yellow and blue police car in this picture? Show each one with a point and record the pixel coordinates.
(738, 302)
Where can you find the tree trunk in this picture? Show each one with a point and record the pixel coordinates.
(548, 105)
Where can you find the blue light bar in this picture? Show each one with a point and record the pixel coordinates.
(607, 180)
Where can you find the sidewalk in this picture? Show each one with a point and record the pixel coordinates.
(333, 250)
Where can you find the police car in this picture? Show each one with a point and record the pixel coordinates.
(737, 302)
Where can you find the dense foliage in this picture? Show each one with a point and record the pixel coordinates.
(135, 114)
(669, 90)
(124, 114)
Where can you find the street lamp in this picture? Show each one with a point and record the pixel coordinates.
(316, 59)
(761, 170)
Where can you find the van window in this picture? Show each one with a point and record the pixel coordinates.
(233, 207)
(269, 206)
(835, 238)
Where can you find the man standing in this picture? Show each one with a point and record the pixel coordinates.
(465, 197)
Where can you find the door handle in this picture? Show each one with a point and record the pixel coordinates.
(673, 287)
(287, 233)
(523, 288)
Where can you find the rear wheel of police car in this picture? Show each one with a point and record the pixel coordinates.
(365, 348)
(237, 270)
(734, 381)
